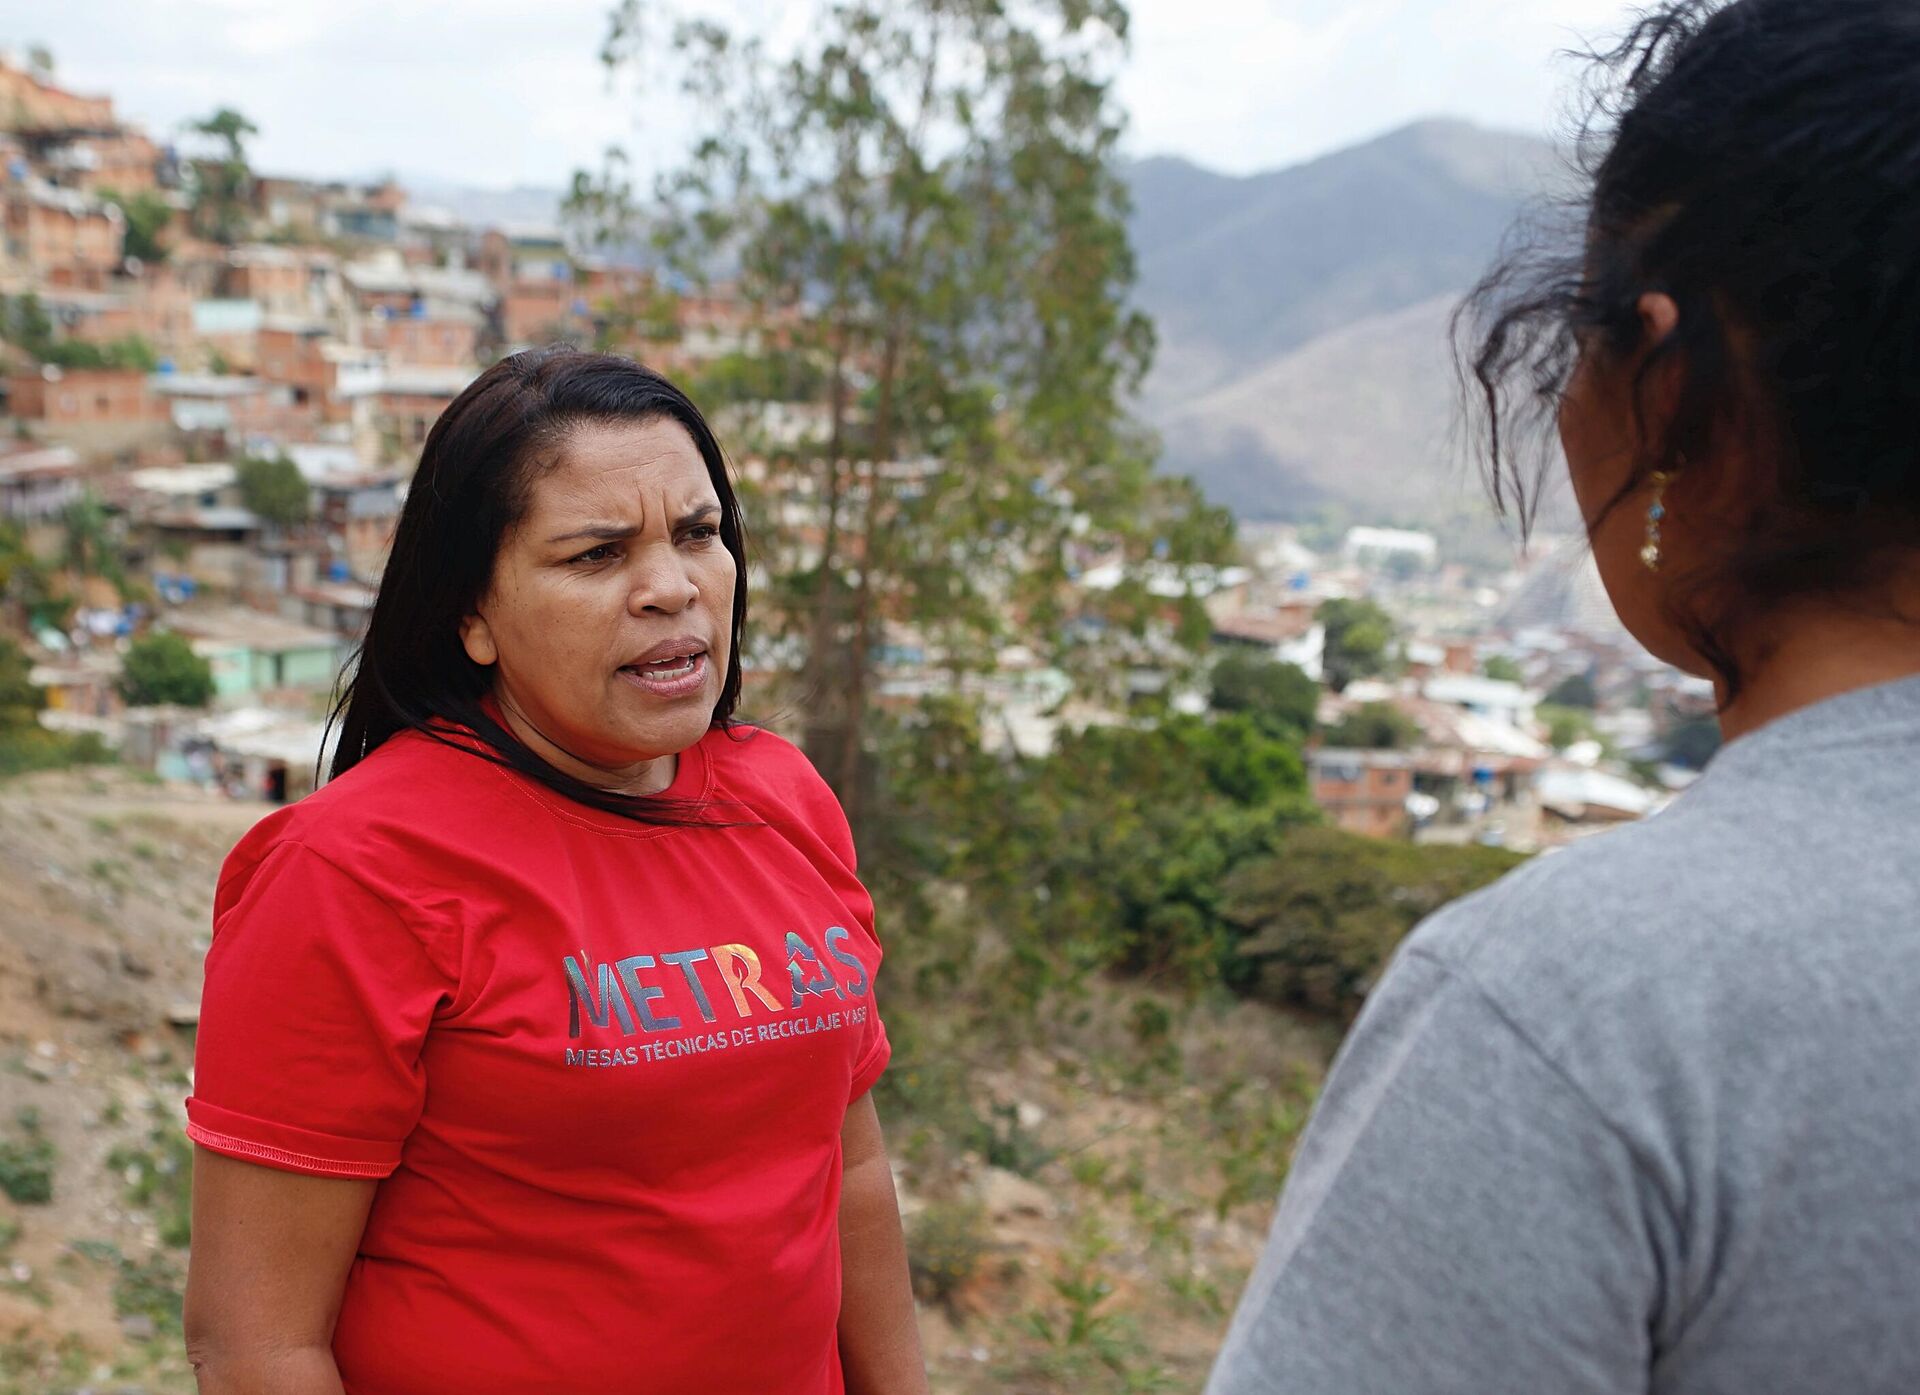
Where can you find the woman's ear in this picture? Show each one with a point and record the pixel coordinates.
(1659, 317)
(477, 639)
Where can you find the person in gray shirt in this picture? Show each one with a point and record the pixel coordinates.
(1644, 1116)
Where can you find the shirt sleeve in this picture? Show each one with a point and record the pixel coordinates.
(1459, 1221)
(314, 1012)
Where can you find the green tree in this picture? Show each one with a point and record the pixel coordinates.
(223, 183)
(1360, 638)
(1575, 691)
(90, 542)
(1374, 726)
(24, 323)
(148, 215)
(1566, 726)
(273, 488)
(20, 699)
(926, 200)
(1280, 696)
(131, 352)
(1314, 924)
(162, 668)
(1504, 669)
(1111, 852)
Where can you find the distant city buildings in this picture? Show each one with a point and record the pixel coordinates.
(332, 323)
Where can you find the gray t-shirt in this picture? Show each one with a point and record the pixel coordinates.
(1643, 1117)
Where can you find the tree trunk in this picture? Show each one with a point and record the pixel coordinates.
(847, 780)
(825, 716)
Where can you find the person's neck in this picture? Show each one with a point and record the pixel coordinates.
(641, 778)
(1818, 655)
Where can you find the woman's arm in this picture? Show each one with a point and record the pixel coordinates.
(879, 1337)
(271, 1251)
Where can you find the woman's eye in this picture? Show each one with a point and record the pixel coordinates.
(705, 532)
(602, 553)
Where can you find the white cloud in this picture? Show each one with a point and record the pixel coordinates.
(507, 91)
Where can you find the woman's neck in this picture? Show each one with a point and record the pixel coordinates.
(1820, 653)
(646, 777)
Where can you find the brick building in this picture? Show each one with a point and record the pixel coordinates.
(1365, 792)
(63, 397)
(29, 102)
(61, 236)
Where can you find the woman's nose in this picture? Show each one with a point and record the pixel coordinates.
(662, 584)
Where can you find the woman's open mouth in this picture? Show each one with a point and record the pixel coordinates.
(675, 676)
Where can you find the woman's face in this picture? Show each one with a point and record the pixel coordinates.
(1597, 432)
(608, 620)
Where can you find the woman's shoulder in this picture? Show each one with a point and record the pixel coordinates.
(773, 779)
(411, 796)
(1639, 899)
(755, 763)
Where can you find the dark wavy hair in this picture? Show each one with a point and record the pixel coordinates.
(1759, 162)
(411, 672)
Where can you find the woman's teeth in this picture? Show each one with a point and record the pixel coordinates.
(667, 668)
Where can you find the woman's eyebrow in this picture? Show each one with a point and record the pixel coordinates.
(600, 532)
(614, 532)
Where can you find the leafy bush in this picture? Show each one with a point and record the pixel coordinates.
(1360, 639)
(1316, 923)
(1574, 691)
(1374, 726)
(945, 1246)
(1108, 854)
(162, 668)
(154, 1287)
(1566, 725)
(26, 1163)
(273, 488)
(27, 749)
(1279, 696)
(19, 698)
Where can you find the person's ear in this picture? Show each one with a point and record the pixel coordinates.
(477, 639)
(1659, 395)
(1659, 317)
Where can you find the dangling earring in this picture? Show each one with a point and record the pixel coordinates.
(1650, 554)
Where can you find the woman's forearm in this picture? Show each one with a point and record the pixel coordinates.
(282, 1371)
(879, 1335)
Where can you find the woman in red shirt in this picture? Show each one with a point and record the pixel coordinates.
(535, 1047)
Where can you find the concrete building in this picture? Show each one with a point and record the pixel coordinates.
(253, 653)
(37, 481)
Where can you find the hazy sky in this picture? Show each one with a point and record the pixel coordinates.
(498, 92)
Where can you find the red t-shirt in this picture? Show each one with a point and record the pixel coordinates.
(601, 1067)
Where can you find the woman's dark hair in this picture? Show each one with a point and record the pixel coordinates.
(1759, 162)
(476, 475)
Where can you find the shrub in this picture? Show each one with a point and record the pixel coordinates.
(162, 668)
(1374, 726)
(27, 749)
(26, 1163)
(945, 1246)
(1279, 696)
(1317, 922)
(273, 488)
(19, 698)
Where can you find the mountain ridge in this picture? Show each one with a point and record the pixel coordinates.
(1302, 315)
